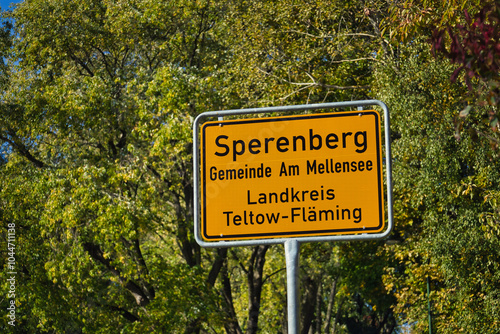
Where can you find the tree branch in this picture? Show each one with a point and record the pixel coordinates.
(331, 299)
(80, 62)
(126, 314)
(18, 146)
(331, 36)
(217, 265)
(95, 252)
(307, 85)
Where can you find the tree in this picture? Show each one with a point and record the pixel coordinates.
(97, 111)
(458, 228)
(307, 52)
(447, 223)
(466, 32)
(474, 48)
(96, 115)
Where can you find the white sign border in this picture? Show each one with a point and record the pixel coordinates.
(303, 107)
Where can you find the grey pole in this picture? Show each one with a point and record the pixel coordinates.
(292, 251)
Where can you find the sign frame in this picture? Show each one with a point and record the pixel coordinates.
(357, 235)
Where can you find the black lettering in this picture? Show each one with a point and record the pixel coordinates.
(356, 214)
(213, 173)
(295, 138)
(284, 196)
(266, 144)
(226, 148)
(345, 166)
(251, 215)
(260, 170)
(231, 174)
(312, 215)
(362, 145)
(283, 170)
(262, 198)
(248, 198)
(314, 195)
(331, 138)
(344, 136)
(252, 173)
(354, 167)
(292, 170)
(240, 173)
(325, 213)
(321, 168)
(338, 167)
(281, 143)
(296, 142)
(238, 152)
(311, 167)
(361, 166)
(252, 145)
(272, 217)
(312, 137)
(295, 214)
(304, 192)
(227, 213)
(330, 194)
(237, 220)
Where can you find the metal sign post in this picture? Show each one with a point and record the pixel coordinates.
(292, 251)
(292, 179)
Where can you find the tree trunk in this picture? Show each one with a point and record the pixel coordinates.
(331, 300)
(255, 281)
(319, 299)
(309, 291)
(231, 325)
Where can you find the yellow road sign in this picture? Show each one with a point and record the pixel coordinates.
(292, 176)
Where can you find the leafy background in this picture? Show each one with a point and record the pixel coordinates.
(97, 103)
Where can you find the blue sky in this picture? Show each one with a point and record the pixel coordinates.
(5, 3)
